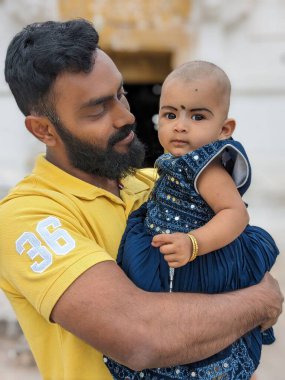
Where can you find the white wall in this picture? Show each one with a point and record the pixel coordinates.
(17, 148)
(260, 126)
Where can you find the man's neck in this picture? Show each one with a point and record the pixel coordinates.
(111, 185)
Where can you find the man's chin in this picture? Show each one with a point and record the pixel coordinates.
(121, 149)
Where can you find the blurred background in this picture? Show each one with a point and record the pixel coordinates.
(147, 39)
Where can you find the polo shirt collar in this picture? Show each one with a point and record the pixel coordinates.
(60, 179)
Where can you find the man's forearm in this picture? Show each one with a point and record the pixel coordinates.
(204, 325)
(192, 327)
(144, 330)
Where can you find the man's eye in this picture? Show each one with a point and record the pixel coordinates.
(121, 94)
(96, 111)
(170, 115)
(197, 117)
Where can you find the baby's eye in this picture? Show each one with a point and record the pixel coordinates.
(197, 117)
(170, 115)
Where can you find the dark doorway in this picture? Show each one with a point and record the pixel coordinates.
(144, 102)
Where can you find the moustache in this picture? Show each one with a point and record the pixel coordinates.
(121, 134)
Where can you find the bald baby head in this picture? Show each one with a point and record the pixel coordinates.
(203, 71)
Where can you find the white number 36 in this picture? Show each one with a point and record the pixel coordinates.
(56, 240)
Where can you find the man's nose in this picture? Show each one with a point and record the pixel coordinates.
(122, 114)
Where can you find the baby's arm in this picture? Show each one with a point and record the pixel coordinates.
(218, 189)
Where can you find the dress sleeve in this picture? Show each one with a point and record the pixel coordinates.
(233, 158)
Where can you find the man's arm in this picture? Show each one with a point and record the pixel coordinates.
(143, 330)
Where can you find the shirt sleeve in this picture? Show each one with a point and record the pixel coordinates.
(44, 249)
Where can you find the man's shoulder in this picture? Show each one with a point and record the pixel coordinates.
(141, 181)
(29, 197)
(148, 174)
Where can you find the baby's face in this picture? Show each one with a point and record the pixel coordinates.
(191, 114)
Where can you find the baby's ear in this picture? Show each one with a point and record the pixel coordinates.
(227, 129)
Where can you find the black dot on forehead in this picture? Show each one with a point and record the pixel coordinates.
(196, 89)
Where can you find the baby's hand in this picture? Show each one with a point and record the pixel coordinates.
(176, 248)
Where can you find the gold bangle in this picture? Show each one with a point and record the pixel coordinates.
(194, 247)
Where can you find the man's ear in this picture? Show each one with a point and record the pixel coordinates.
(228, 128)
(42, 129)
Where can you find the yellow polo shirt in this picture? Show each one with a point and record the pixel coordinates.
(53, 228)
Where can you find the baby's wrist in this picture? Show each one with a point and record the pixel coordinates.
(195, 247)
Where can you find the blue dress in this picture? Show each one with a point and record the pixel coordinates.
(176, 206)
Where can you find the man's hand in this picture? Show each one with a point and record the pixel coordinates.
(176, 248)
(273, 300)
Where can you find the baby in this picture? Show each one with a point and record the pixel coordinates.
(193, 234)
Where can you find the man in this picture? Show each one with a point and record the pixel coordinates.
(61, 226)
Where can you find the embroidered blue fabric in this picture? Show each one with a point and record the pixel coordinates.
(236, 366)
(175, 205)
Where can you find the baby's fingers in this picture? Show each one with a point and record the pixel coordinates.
(167, 249)
(161, 239)
(173, 261)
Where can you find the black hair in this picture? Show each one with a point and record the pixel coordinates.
(42, 51)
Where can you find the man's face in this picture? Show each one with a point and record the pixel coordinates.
(95, 124)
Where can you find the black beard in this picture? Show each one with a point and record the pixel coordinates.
(106, 163)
